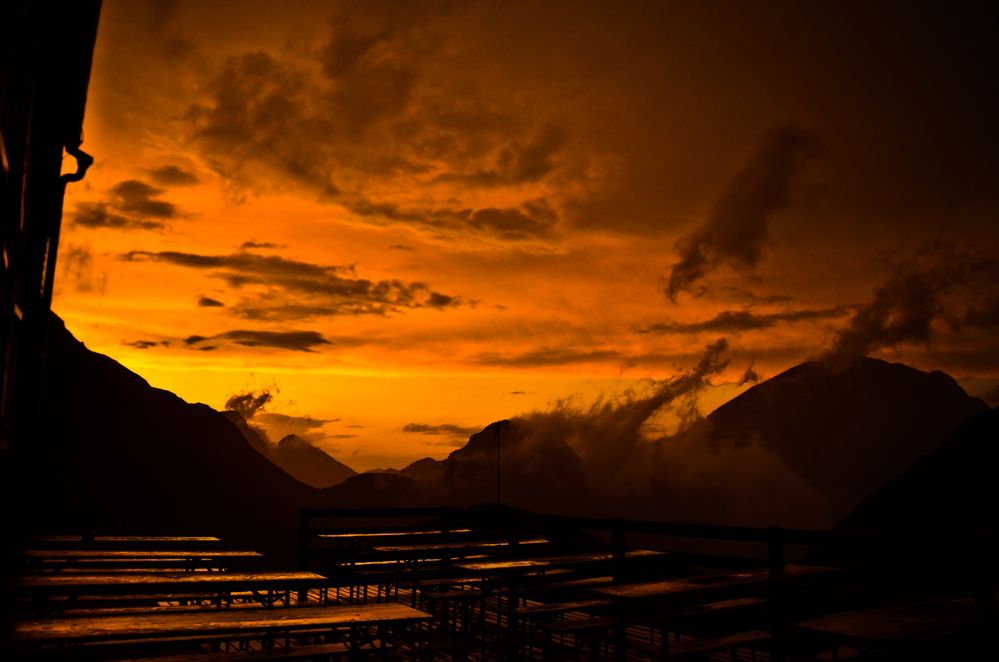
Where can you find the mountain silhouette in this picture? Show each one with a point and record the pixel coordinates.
(546, 477)
(844, 432)
(951, 491)
(296, 456)
(309, 464)
(114, 454)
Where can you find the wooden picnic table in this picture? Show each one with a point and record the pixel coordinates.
(209, 625)
(895, 624)
(266, 587)
(352, 536)
(455, 548)
(504, 567)
(705, 584)
(38, 560)
(512, 573)
(123, 542)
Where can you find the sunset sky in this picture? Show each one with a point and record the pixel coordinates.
(406, 220)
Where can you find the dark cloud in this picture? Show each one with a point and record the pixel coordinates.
(933, 285)
(534, 219)
(750, 376)
(131, 204)
(401, 247)
(279, 426)
(736, 321)
(100, 215)
(443, 429)
(248, 403)
(385, 116)
(137, 197)
(735, 232)
(298, 422)
(76, 264)
(299, 341)
(208, 302)
(320, 290)
(517, 392)
(550, 356)
(519, 163)
(249, 245)
(342, 435)
(172, 175)
(147, 344)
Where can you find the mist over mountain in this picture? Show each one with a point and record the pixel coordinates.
(844, 432)
(296, 456)
(309, 464)
(801, 449)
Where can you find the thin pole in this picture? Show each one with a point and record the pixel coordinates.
(499, 438)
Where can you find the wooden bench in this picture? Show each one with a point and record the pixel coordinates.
(321, 651)
(55, 560)
(697, 648)
(155, 630)
(594, 627)
(269, 588)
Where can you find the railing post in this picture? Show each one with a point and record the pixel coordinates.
(304, 538)
(618, 547)
(775, 565)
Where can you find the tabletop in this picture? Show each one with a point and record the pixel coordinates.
(224, 621)
(706, 583)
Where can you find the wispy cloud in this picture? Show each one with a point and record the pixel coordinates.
(171, 175)
(736, 230)
(549, 356)
(938, 283)
(736, 321)
(441, 429)
(299, 290)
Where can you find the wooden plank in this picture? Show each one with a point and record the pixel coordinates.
(555, 608)
(365, 535)
(174, 581)
(511, 565)
(707, 583)
(456, 547)
(896, 622)
(698, 648)
(136, 554)
(219, 621)
(320, 651)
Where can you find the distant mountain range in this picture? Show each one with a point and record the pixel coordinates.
(803, 448)
(305, 462)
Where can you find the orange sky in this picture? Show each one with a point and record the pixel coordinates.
(398, 215)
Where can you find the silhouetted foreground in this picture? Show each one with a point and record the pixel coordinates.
(496, 583)
(509, 584)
